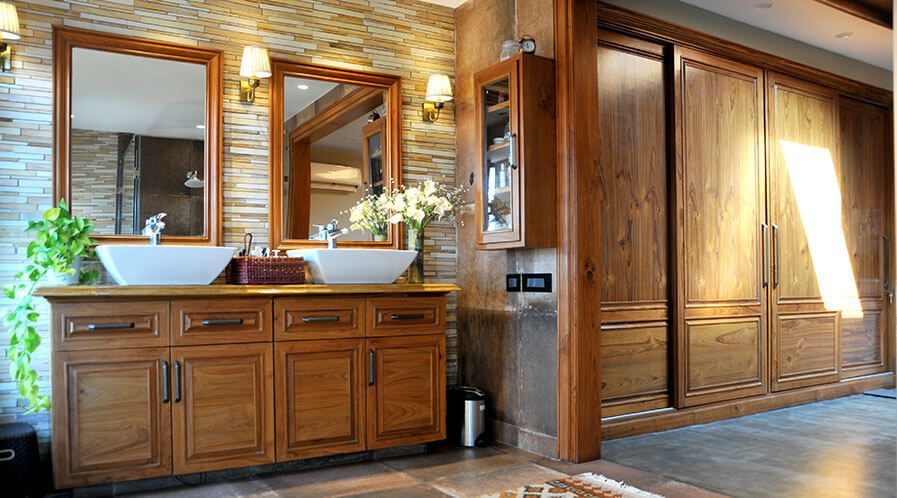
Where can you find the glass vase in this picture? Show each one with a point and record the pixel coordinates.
(416, 243)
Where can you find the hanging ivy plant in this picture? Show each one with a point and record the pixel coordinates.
(60, 239)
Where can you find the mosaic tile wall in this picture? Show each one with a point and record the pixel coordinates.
(93, 182)
(408, 38)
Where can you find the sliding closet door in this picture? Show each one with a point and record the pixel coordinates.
(864, 182)
(813, 280)
(720, 200)
(635, 219)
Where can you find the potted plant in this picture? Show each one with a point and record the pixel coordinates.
(417, 207)
(372, 213)
(61, 241)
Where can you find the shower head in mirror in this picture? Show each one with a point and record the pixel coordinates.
(193, 180)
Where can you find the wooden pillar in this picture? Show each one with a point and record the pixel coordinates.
(579, 262)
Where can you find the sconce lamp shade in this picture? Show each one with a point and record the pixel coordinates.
(255, 62)
(9, 21)
(439, 88)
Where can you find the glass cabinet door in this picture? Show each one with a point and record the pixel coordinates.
(499, 177)
(373, 155)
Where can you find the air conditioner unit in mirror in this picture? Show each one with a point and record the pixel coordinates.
(335, 177)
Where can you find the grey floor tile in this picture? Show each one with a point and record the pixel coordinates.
(496, 480)
(338, 481)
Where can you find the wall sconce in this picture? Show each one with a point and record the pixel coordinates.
(9, 30)
(439, 91)
(255, 66)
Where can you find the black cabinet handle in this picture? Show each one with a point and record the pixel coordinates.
(165, 381)
(775, 231)
(372, 370)
(320, 319)
(765, 229)
(222, 321)
(887, 281)
(177, 382)
(111, 326)
(407, 316)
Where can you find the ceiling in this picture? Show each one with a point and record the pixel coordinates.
(132, 94)
(813, 23)
(295, 99)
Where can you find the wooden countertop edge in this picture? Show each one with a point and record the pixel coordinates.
(75, 291)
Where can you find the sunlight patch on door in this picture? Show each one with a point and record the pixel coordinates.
(815, 184)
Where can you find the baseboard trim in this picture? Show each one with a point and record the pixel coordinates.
(672, 418)
(526, 439)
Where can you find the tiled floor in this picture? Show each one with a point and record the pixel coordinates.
(837, 448)
(443, 471)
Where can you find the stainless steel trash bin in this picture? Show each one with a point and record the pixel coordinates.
(467, 414)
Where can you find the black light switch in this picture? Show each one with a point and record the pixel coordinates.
(512, 282)
(536, 282)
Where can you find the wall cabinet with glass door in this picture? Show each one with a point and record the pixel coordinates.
(516, 178)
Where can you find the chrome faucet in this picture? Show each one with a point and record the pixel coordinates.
(153, 228)
(329, 233)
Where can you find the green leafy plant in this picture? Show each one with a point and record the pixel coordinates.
(60, 239)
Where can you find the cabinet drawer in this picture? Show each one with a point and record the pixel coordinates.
(318, 318)
(214, 321)
(388, 316)
(106, 325)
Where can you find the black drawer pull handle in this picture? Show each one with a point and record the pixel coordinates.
(111, 326)
(177, 382)
(320, 319)
(372, 367)
(165, 387)
(222, 321)
(407, 316)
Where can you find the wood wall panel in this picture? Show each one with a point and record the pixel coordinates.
(635, 365)
(633, 168)
(862, 344)
(805, 350)
(724, 358)
(633, 165)
(720, 349)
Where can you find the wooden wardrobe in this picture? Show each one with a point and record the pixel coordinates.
(746, 233)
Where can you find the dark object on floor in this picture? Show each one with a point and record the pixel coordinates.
(19, 459)
(883, 393)
(466, 416)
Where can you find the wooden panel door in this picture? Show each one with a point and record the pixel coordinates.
(405, 390)
(720, 199)
(812, 277)
(319, 398)
(635, 216)
(865, 185)
(223, 406)
(111, 416)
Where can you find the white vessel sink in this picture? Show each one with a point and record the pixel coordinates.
(164, 265)
(355, 266)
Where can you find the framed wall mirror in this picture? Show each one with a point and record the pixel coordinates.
(137, 131)
(335, 138)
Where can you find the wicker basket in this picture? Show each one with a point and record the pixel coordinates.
(256, 271)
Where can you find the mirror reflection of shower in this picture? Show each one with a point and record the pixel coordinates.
(127, 185)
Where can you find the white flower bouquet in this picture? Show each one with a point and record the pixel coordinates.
(418, 206)
(372, 213)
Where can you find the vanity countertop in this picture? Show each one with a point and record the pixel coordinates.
(81, 291)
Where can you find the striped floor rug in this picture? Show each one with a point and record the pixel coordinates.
(580, 486)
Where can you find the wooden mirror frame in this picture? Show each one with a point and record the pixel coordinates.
(64, 40)
(281, 69)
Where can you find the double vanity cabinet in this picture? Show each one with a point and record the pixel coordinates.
(156, 381)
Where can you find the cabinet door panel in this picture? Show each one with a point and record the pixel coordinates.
(720, 195)
(113, 324)
(220, 321)
(812, 275)
(319, 398)
(865, 192)
(406, 396)
(225, 417)
(110, 420)
(635, 219)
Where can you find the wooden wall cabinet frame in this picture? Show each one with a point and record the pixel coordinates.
(392, 144)
(516, 179)
(64, 40)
